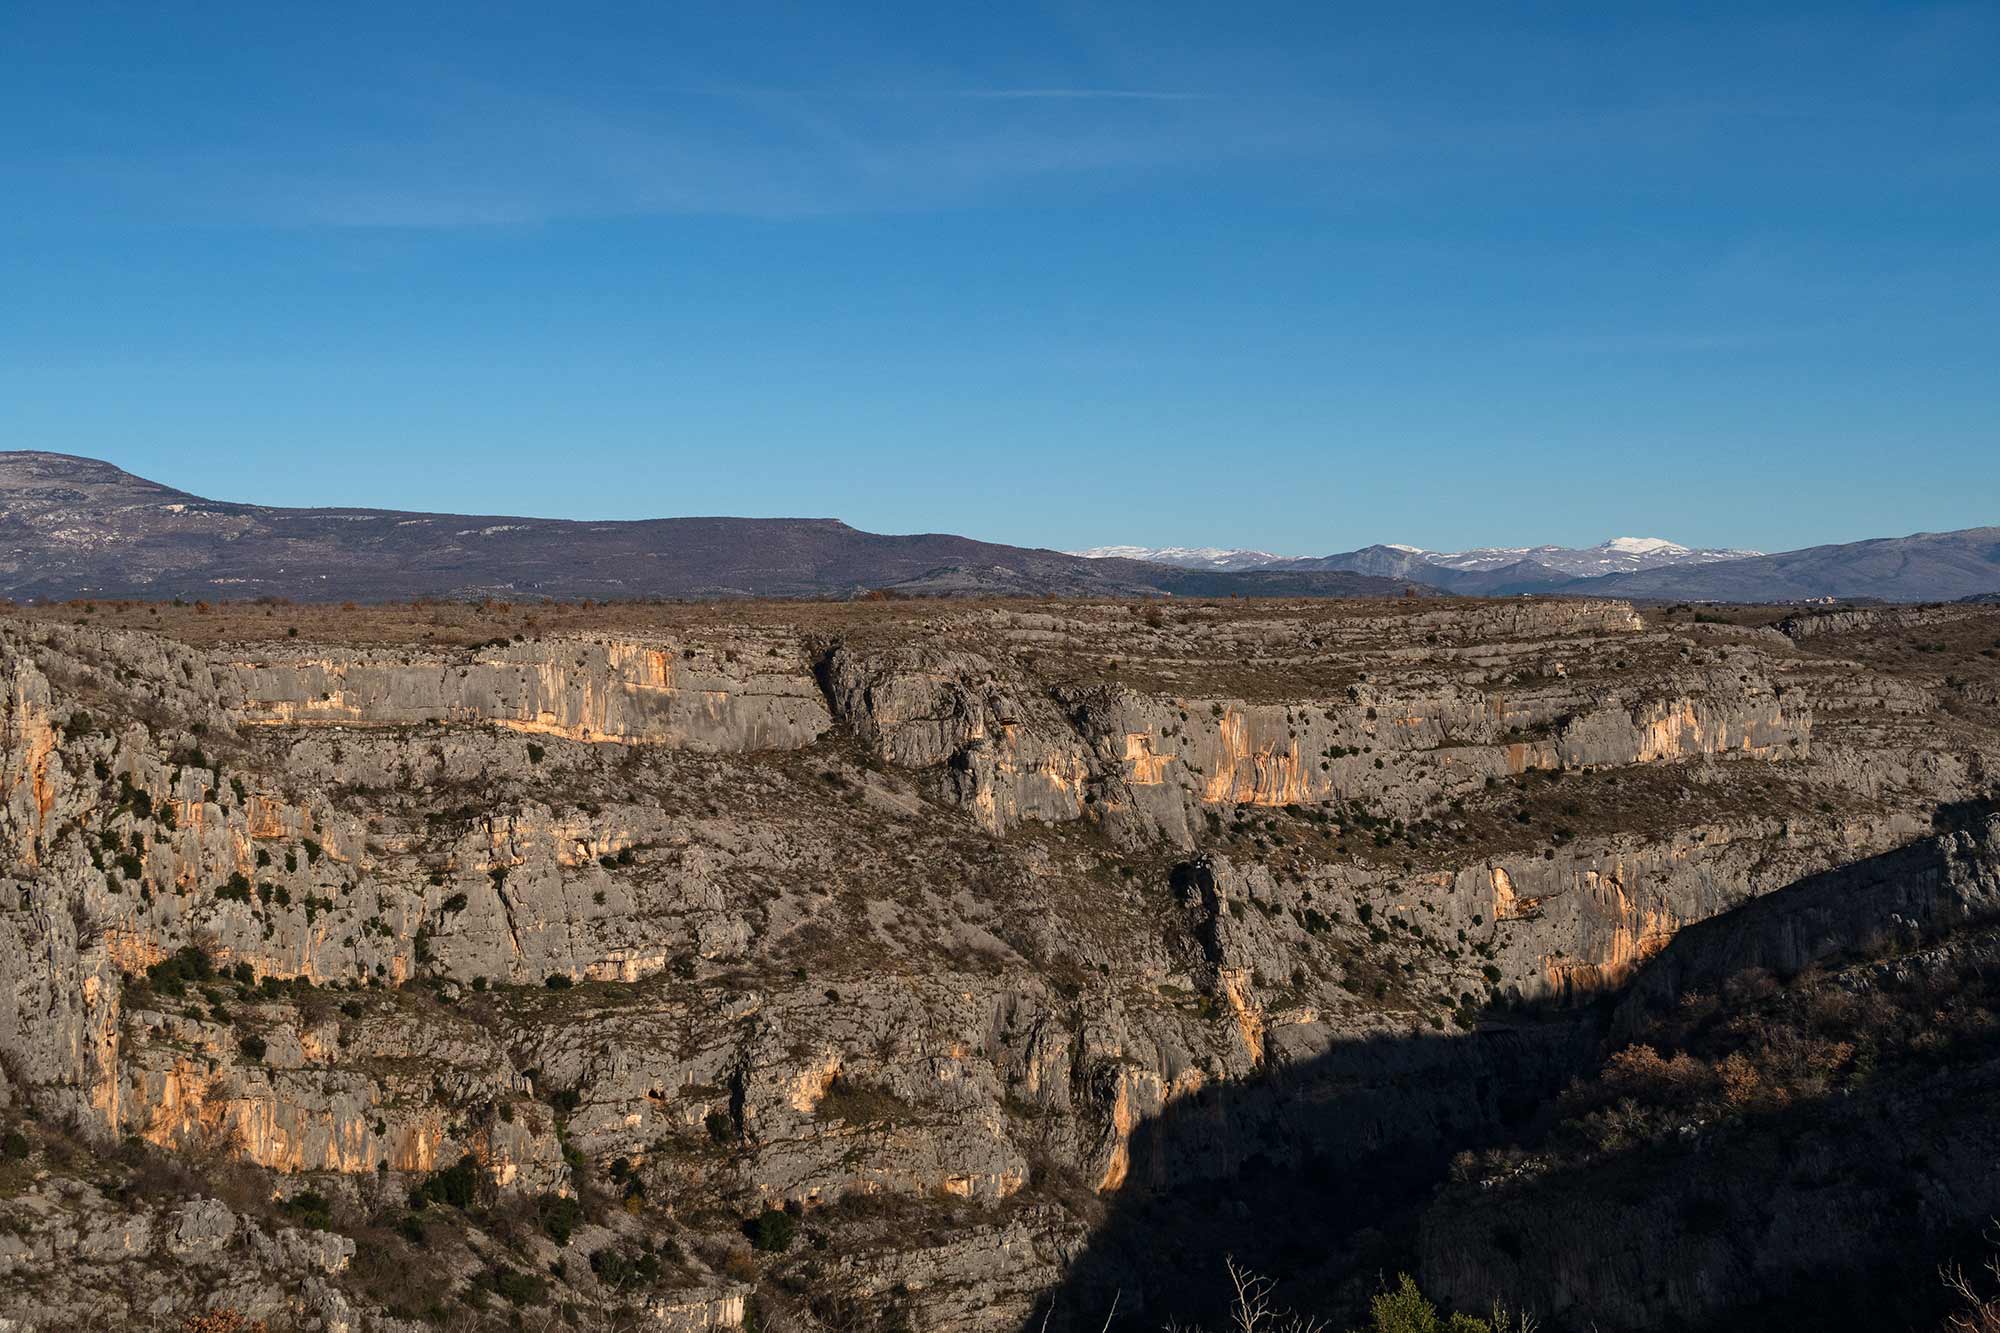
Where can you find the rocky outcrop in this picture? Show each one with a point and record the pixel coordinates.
(735, 694)
(1931, 885)
(1010, 753)
(1768, 1204)
(72, 1258)
(937, 928)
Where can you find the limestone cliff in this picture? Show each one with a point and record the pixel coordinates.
(938, 927)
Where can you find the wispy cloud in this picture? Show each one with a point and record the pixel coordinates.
(1080, 95)
(891, 130)
(485, 155)
(1665, 341)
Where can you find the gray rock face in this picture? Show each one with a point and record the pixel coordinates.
(1012, 754)
(945, 927)
(733, 696)
(74, 1258)
(1786, 1208)
(1935, 883)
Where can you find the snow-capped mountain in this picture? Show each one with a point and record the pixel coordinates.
(1620, 555)
(1185, 557)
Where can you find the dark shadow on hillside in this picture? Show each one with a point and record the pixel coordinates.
(1313, 1174)
(1318, 1174)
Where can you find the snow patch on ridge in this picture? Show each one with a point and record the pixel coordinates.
(1185, 557)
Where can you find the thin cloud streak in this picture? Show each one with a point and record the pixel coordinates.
(1080, 95)
(496, 157)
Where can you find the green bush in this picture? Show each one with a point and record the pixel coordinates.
(857, 1103)
(561, 1215)
(312, 1208)
(171, 975)
(621, 1272)
(520, 1288)
(1405, 1309)
(252, 1045)
(457, 1185)
(773, 1231)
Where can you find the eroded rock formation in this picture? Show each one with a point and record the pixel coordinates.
(914, 921)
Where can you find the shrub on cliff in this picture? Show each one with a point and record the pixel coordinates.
(856, 1103)
(1405, 1309)
(1402, 1308)
(623, 1272)
(561, 1214)
(517, 1287)
(456, 1185)
(171, 974)
(772, 1230)
(311, 1208)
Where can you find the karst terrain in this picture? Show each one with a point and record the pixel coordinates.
(990, 965)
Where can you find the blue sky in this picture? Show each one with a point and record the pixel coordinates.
(1292, 276)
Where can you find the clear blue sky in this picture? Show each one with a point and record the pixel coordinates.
(1299, 276)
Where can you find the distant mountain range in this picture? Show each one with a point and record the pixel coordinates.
(79, 527)
(1186, 557)
(1494, 571)
(1620, 555)
(1924, 567)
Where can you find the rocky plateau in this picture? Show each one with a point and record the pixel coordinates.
(969, 965)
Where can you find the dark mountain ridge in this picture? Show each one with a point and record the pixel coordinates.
(79, 527)
(1922, 567)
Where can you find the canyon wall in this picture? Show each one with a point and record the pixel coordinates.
(939, 908)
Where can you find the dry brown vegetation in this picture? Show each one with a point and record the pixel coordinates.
(1763, 1046)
